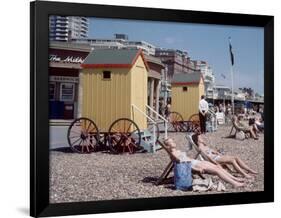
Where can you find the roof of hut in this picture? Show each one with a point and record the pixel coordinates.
(113, 58)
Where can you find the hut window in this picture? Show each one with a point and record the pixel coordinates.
(107, 74)
(184, 89)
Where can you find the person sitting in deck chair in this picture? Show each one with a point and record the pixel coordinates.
(202, 166)
(220, 158)
(259, 124)
(245, 128)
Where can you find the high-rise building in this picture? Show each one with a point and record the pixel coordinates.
(66, 28)
(208, 75)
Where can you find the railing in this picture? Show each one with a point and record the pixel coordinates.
(150, 119)
(213, 122)
(161, 117)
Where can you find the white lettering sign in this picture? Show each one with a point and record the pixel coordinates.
(68, 59)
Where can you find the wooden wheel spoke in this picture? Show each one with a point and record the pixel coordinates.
(129, 127)
(129, 148)
(87, 145)
(77, 141)
(76, 132)
(77, 136)
(124, 125)
(115, 130)
(88, 127)
(79, 145)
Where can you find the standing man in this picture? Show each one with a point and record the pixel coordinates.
(203, 110)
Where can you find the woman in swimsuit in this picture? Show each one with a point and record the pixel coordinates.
(219, 158)
(202, 166)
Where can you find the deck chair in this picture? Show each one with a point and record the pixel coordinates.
(236, 128)
(201, 155)
(170, 166)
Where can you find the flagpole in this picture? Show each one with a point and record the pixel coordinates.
(231, 72)
(232, 94)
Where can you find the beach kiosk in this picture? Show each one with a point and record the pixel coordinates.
(187, 88)
(112, 99)
(112, 80)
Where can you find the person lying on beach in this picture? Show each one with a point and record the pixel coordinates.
(252, 129)
(202, 166)
(222, 159)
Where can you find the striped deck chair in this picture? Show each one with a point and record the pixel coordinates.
(201, 155)
(170, 166)
(236, 128)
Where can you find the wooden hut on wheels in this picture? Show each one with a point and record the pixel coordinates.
(187, 88)
(111, 81)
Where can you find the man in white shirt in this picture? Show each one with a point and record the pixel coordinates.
(203, 110)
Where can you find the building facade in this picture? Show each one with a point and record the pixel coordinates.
(221, 92)
(66, 28)
(64, 66)
(119, 41)
(176, 61)
(208, 75)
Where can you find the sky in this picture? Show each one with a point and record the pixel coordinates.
(202, 42)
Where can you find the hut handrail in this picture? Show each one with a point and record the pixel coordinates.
(157, 114)
(139, 110)
(154, 129)
(162, 118)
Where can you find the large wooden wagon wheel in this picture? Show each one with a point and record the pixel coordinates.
(195, 120)
(124, 136)
(176, 122)
(83, 135)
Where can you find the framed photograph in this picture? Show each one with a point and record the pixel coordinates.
(142, 109)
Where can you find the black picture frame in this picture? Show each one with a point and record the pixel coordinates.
(39, 132)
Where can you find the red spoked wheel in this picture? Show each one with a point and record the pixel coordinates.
(83, 135)
(176, 122)
(124, 136)
(195, 120)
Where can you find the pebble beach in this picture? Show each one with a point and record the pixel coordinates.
(105, 176)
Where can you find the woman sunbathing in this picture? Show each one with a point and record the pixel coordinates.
(222, 159)
(202, 166)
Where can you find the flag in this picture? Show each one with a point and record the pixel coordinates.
(231, 54)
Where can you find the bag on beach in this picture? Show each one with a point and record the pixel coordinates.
(240, 135)
(183, 176)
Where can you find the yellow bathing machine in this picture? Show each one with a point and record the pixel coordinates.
(113, 104)
(186, 91)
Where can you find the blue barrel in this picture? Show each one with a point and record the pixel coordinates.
(56, 109)
(183, 176)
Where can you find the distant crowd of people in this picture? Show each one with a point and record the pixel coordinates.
(253, 115)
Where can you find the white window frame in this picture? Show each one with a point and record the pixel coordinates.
(73, 93)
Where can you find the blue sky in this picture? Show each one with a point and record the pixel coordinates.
(202, 42)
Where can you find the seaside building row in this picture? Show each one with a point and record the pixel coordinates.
(66, 57)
